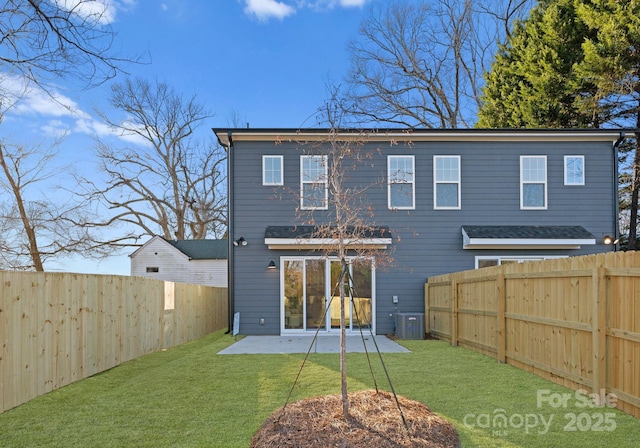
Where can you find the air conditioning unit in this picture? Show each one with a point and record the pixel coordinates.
(410, 325)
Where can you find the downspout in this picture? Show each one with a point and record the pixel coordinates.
(230, 235)
(230, 232)
(616, 186)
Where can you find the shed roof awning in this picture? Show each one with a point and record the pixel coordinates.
(525, 237)
(307, 237)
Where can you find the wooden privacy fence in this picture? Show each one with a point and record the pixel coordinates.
(57, 328)
(574, 321)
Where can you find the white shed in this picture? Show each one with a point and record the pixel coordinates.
(200, 262)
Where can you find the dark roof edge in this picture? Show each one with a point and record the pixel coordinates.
(421, 130)
(527, 232)
(201, 249)
(226, 136)
(308, 231)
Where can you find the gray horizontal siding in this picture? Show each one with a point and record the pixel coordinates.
(426, 241)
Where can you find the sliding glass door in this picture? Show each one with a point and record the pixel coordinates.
(315, 296)
(311, 294)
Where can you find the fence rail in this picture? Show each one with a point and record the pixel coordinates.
(574, 321)
(58, 328)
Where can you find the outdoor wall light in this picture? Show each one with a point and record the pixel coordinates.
(240, 242)
(272, 265)
(609, 240)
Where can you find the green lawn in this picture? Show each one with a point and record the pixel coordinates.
(189, 396)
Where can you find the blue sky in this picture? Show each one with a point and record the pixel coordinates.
(266, 61)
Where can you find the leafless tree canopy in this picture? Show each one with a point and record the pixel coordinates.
(165, 182)
(346, 217)
(420, 64)
(43, 40)
(35, 228)
(349, 215)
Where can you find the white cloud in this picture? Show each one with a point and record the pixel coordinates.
(36, 102)
(267, 9)
(352, 3)
(24, 99)
(132, 137)
(58, 113)
(330, 4)
(100, 11)
(341, 3)
(92, 127)
(55, 129)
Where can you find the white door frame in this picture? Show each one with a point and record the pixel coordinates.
(328, 287)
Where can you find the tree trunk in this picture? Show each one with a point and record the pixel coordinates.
(635, 187)
(34, 252)
(343, 342)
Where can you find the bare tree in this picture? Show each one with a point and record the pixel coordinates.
(45, 40)
(344, 220)
(166, 182)
(41, 42)
(421, 64)
(503, 13)
(34, 231)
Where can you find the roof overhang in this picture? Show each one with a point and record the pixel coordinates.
(525, 237)
(303, 237)
(326, 243)
(227, 135)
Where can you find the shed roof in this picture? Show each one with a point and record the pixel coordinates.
(541, 237)
(307, 237)
(309, 231)
(528, 232)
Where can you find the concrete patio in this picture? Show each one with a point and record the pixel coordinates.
(252, 345)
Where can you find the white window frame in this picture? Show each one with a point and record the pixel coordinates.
(456, 182)
(323, 181)
(264, 170)
(537, 182)
(515, 258)
(566, 171)
(391, 182)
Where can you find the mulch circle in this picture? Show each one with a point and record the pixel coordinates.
(374, 421)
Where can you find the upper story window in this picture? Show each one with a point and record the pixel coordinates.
(574, 170)
(533, 182)
(446, 180)
(401, 182)
(313, 182)
(272, 170)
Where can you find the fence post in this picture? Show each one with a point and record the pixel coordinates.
(454, 311)
(427, 328)
(501, 295)
(599, 328)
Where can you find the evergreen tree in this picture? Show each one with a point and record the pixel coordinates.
(612, 63)
(533, 82)
(572, 63)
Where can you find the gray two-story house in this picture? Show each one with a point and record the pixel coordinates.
(439, 201)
